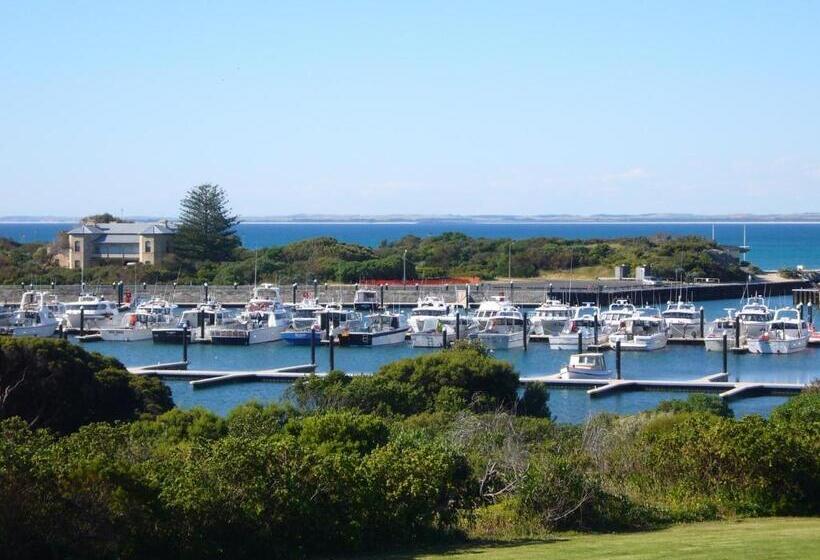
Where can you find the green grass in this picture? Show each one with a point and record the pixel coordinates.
(746, 539)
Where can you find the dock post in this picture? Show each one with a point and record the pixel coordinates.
(312, 347)
(737, 331)
(595, 329)
(185, 342)
(701, 322)
(511, 291)
(381, 296)
(725, 353)
(811, 313)
(293, 292)
(330, 355)
(444, 338)
(201, 319)
(580, 342)
(458, 326)
(800, 310)
(82, 320)
(618, 358)
(205, 285)
(315, 289)
(526, 331)
(60, 331)
(119, 292)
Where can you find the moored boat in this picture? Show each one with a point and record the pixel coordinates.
(645, 331)
(380, 329)
(549, 318)
(588, 365)
(786, 333)
(722, 326)
(32, 318)
(682, 319)
(585, 325)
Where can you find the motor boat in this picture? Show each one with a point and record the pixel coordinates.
(380, 329)
(334, 319)
(96, 312)
(425, 316)
(682, 319)
(32, 318)
(503, 327)
(722, 326)
(263, 320)
(754, 317)
(366, 300)
(303, 314)
(137, 325)
(588, 365)
(436, 338)
(618, 311)
(199, 322)
(645, 331)
(549, 318)
(584, 322)
(785, 334)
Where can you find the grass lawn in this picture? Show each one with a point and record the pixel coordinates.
(747, 539)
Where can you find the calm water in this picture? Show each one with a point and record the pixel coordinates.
(773, 245)
(674, 362)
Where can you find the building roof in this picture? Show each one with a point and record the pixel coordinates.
(129, 229)
(119, 238)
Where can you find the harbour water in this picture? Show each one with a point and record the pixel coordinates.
(774, 245)
(567, 405)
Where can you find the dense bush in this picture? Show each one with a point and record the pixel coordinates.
(57, 385)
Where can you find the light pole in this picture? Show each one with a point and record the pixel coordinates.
(404, 269)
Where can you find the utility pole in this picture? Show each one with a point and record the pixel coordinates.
(404, 269)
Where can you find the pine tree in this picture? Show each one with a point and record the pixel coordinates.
(207, 228)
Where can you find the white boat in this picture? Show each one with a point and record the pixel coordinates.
(263, 320)
(32, 318)
(380, 329)
(583, 322)
(549, 318)
(722, 326)
(682, 319)
(618, 311)
(645, 331)
(754, 316)
(96, 312)
(366, 300)
(589, 365)
(304, 313)
(136, 326)
(213, 316)
(424, 317)
(503, 325)
(435, 338)
(334, 319)
(785, 334)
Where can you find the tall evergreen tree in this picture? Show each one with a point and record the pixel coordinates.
(207, 227)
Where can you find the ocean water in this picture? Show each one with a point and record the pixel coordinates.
(568, 405)
(773, 245)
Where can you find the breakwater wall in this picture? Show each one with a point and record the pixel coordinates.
(526, 293)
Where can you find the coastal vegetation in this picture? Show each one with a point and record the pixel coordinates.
(201, 257)
(438, 449)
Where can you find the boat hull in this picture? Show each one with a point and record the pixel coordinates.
(34, 331)
(567, 373)
(502, 341)
(547, 327)
(125, 335)
(641, 343)
(429, 340)
(786, 346)
(382, 338)
(570, 341)
(302, 338)
(170, 336)
(683, 330)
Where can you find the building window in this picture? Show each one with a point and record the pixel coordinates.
(76, 246)
(147, 246)
(76, 264)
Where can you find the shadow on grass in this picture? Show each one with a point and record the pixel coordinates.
(458, 546)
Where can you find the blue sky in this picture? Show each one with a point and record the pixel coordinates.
(415, 107)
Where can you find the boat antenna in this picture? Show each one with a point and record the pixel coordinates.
(255, 262)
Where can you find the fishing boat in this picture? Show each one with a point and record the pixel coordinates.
(32, 318)
(588, 365)
(96, 312)
(785, 334)
(381, 329)
(584, 323)
(335, 319)
(503, 327)
(263, 320)
(549, 318)
(137, 325)
(645, 331)
(754, 316)
(199, 322)
(722, 326)
(682, 319)
(445, 332)
(424, 317)
(304, 313)
(365, 299)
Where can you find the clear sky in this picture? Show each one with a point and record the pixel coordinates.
(410, 107)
